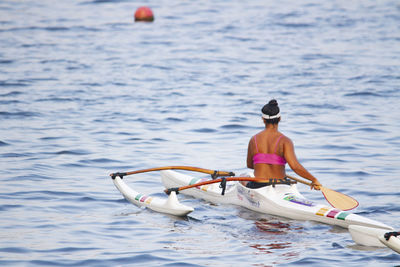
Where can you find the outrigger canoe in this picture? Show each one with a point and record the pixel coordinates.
(277, 199)
(280, 199)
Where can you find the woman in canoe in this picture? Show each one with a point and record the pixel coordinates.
(270, 150)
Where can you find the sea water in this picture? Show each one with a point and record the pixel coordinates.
(86, 91)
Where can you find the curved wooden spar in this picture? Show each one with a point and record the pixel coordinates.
(214, 173)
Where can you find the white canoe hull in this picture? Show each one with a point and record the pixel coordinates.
(281, 200)
(373, 237)
(169, 205)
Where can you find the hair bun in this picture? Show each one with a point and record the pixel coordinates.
(273, 102)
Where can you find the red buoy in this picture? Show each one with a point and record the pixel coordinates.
(144, 14)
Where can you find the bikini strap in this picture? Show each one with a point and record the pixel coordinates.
(255, 141)
(276, 143)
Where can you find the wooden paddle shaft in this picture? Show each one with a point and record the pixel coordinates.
(299, 180)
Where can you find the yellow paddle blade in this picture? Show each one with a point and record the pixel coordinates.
(339, 200)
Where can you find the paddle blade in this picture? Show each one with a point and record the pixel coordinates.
(339, 200)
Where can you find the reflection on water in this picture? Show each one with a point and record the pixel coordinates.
(277, 233)
(266, 248)
(275, 227)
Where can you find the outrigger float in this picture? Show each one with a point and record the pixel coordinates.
(280, 199)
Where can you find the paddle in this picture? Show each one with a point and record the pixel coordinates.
(214, 173)
(222, 180)
(336, 199)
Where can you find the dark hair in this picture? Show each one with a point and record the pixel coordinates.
(271, 109)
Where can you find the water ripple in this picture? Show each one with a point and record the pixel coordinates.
(364, 94)
(12, 84)
(18, 114)
(4, 143)
(204, 130)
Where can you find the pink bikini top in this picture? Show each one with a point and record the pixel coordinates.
(269, 158)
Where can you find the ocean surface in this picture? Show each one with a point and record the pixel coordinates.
(85, 91)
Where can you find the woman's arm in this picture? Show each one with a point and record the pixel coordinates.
(250, 164)
(290, 156)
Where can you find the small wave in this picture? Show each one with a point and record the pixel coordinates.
(50, 138)
(174, 119)
(135, 139)
(78, 67)
(196, 143)
(13, 93)
(12, 84)
(5, 61)
(9, 102)
(370, 130)
(233, 127)
(204, 130)
(57, 99)
(50, 193)
(87, 199)
(316, 56)
(53, 29)
(99, 160)
(74, 165)
(394, 208)
(91, 85)
(364, 94)
(31, 80)
(9, 207)
(13, 155)
(353, 174)
(357, 78)
(239, 39)
(119, 84)
(37, 45)
(29, 177)
(50, 29)
(281, 16)
(4, 143)
(154, 66)
(325, 130)
(19, 114)
(329, 160)
(143, 258)
(375, 210)
(377, 194)
(296, 25)
(145, 120)
(324, 106)
(15, 250)
(67, 249)
(336, 147)
(72, 152)
(120, 133)
(159, 139)
(175, 94)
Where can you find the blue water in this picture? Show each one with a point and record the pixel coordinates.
(85, 91)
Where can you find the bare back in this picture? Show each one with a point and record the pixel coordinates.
(267, 142)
